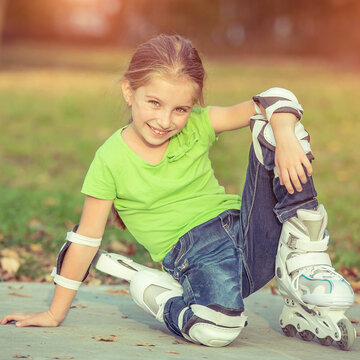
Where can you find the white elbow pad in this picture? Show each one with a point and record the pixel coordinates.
(72, 236)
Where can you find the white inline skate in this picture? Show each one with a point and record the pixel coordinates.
(149, 288)
(315, 296)
(117, 265)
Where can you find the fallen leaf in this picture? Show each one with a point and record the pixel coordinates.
(21, 295)
(36, 248)
(273, 290)
(22, 357)
(12, 287)
(171, 352)
(354, 321)
(118, 291)
(35, 224)
(10, 264)
(122, 247)
(177, 342)
(94, 282)
(145, 344)
(9, 253)
(109, 338)
(355, 285)
(69, 224)
(78, 306)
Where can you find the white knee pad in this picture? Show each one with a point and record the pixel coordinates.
(263, 136)
(276, 100)
(213, 325)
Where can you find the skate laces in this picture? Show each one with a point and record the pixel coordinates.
(321, 273)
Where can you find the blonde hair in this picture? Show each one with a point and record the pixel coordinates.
(166, 55)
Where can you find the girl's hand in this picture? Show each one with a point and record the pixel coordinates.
(31, 319)
(290, 160)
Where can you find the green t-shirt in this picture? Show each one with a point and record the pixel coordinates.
(160, 203)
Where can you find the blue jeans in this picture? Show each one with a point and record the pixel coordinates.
(232, 255)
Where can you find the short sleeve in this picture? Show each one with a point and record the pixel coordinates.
(202, 123)
(99, 181)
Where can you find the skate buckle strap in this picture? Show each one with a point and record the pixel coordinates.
(295, 243)
(309, 259)
(82, 240)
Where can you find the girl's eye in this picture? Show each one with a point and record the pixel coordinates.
(154, 102)
(180, 110)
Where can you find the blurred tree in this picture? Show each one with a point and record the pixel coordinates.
(323, 27)
(3, 4)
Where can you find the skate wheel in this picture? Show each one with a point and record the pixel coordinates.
(348, 334)
(289, 330)
(306, 335)
(327, 341)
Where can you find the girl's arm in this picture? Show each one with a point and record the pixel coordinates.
(76, 262)
(290, 158)
(231, 117)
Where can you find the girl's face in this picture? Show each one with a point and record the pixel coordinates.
(160, 109)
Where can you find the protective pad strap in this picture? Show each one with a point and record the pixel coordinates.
(218, 317)
(83, 240)
(65, 282)
(71, 236)
(305, 260)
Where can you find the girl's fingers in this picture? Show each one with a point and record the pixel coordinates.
(287, 182)
(301, 174)
(12, 317)
(308, 166)
(278, 170)
(25, 323)
(295, 179)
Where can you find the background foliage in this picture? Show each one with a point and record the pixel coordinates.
(53, 118)
(60, 99)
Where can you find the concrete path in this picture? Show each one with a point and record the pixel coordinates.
(105, 324)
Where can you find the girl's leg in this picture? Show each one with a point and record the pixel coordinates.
(266, 205)
(303, 270)
(207, 263)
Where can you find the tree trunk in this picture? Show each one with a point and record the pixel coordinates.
(3, 4)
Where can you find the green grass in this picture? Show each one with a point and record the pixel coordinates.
(58, 107)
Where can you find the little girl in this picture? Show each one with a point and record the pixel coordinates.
(216, 248)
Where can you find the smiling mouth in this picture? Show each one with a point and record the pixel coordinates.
(158, 132)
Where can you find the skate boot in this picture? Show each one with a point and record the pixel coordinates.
(149, 288)
(117, 265)
(316, 296)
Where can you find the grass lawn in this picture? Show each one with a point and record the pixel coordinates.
(58, 105)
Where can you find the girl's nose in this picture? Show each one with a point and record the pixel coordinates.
(165, 121)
